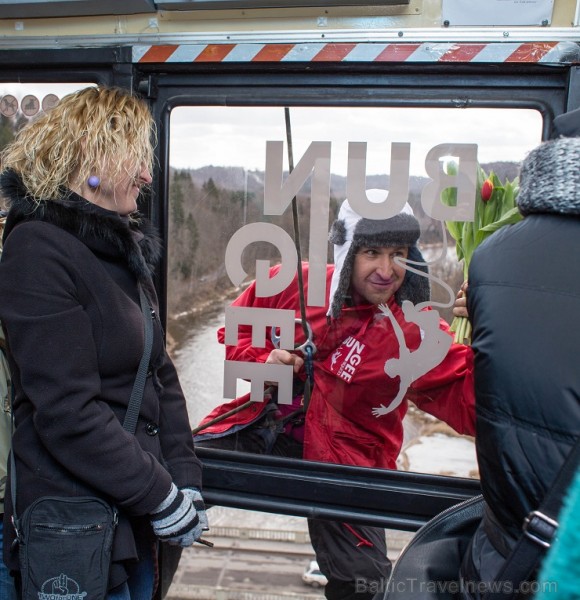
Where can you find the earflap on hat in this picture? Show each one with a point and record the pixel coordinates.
(340, 281)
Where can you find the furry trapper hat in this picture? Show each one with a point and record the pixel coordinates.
(550, 178)
(351, 231)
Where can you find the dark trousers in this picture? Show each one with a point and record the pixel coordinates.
(352, 557)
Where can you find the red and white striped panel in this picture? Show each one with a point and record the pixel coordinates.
(528, 52)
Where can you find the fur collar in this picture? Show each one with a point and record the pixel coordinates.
(103, 231)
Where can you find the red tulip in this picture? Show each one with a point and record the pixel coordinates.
(486, 190)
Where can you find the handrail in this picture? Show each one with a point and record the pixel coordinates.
(391, 499)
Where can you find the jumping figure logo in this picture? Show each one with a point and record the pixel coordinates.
(61, 588)
(336, 355)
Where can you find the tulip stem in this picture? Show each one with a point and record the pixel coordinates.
(462, 328)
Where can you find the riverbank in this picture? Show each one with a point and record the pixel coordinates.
(207, 306)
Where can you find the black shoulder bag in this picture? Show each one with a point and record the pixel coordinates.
(65, 544)
(429, 566)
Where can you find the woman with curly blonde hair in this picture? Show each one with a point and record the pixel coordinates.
(76, 254)
(93, 134)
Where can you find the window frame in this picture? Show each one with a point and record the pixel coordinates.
(394, 499)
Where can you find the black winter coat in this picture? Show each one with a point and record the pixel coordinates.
(70, 307)
(524, 303)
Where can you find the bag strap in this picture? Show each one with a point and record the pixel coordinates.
(538, 530)
(13, 464)
(132, 414)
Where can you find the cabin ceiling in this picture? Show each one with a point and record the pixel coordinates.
(22, 9)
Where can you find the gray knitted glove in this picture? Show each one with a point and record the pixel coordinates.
(195, 496)
(176, 520)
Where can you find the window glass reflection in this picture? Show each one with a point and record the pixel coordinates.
(226, 165)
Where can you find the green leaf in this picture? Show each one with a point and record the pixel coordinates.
(511, 192)
(509, 218)
(468, 242)
(455, 229)
(449, 198)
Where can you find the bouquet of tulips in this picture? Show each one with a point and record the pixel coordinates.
(494, 207)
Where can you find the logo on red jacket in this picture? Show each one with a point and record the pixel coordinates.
(344, 361)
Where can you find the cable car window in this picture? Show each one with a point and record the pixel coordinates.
(229, 176)
(361, 375)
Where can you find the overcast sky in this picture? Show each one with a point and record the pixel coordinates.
(236, 136)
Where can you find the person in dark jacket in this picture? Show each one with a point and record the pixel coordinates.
(523, 301)
(75, 253)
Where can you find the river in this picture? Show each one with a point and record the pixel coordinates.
(199, 360)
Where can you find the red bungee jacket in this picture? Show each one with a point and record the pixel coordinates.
(350, 380)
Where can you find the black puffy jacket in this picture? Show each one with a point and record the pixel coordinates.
(524, 303)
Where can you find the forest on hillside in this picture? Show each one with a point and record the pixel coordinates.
(205, 210)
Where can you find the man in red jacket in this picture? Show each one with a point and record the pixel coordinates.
(377, 346)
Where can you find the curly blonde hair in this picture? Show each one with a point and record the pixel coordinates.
(88, 132)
